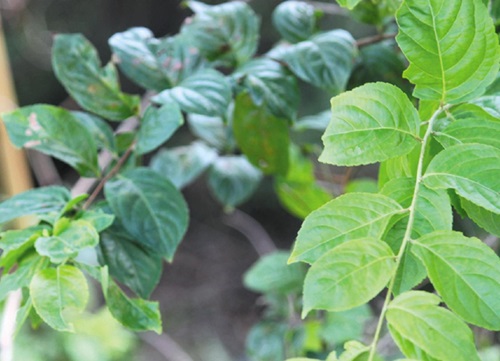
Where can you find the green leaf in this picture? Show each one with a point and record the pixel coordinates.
(425, 331)
(227, 33)
(350, 4)
(150, 208)
(157, 126)
(182, 165)
(343, 326)
(269, 83)
(366, 185)
(99, 219)
(206, 92)
(133, 52)
(56, 132)
(66, 244)
(271, 274)
(350, 216)
(325, 61)
(212, 130)
(232, 179)
(295, 20)
(451, 46)
(35, 201)
(465, 131)
(15, 243)
(490, 104)
(58, 293)
(369, 124)
(22, 276)
(317, 122)
(487, 220)
(266, 340)
(348, 276)
(134, 313)
(472, 170)
(128, 262)
(466, 273)
(100, 131)
(262, 137)
(77, 66)
(432, 213)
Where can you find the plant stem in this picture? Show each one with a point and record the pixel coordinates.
(408, 231)
(108, 176)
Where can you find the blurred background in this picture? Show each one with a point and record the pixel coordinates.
(206, 310)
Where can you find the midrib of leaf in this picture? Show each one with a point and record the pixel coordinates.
(59, 292)
(440, 55)
(408, 232)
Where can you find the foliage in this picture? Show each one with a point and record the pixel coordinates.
(436, 143)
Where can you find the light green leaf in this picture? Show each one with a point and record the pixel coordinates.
(366, 185)
(182, 165)
(56, 132)
(371, 123)
(35, 201)
(466, 273)
(465, 131)
(472, 170)
(157, 126)
(451, 46)
(134, 313)
(295, 20)
(487, 220)
(23, 274)
(325, 61)
(356, 351)
(212, 130)
(128, 262)
(77, 66)
(14, 244)
(100, 131)
(348, 217)
(425, 331)
(69, 242)
(232, 179)
(350, 4)
(58, 293)
(348, 276)
(262, 137)
(272, 274)
(150, 208)
(227, 33)
(432, 213)
(270, 84)
(99, 219)
(206, 92)
(343, 326)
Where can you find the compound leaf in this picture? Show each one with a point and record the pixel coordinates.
(369, 124)
(466, 273)
(452, 48)
(348, 276)
(77, 66)
(350, 216)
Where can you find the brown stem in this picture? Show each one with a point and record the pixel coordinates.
(108, 176)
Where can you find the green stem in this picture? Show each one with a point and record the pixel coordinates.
(408, 231)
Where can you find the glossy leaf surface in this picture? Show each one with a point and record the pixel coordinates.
(295, 20)
(369, 124)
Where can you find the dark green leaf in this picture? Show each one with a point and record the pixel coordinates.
(77, 66)
(472, 170)
(57, 292)
(269, 83)
(340, 327)
(228, 33)
(453, 50)
(326, 60)
(295, 20)
(372, 123)
(157, 126)
(425, 331)
(150, 208)
(182, 165)
(262, 137)
(265, 341)
(348, 217)
(35, 201)
(272, 274)
(206, 92)
(466, 273)
(348, 276)
(233, 179)
(56, 132)
(211, 130)
(129, 263)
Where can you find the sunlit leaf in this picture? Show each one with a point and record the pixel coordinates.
(22, 275)
(470, 131)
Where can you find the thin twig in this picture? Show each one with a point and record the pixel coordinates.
(252, 230)
(374, 39)
(166, 346)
